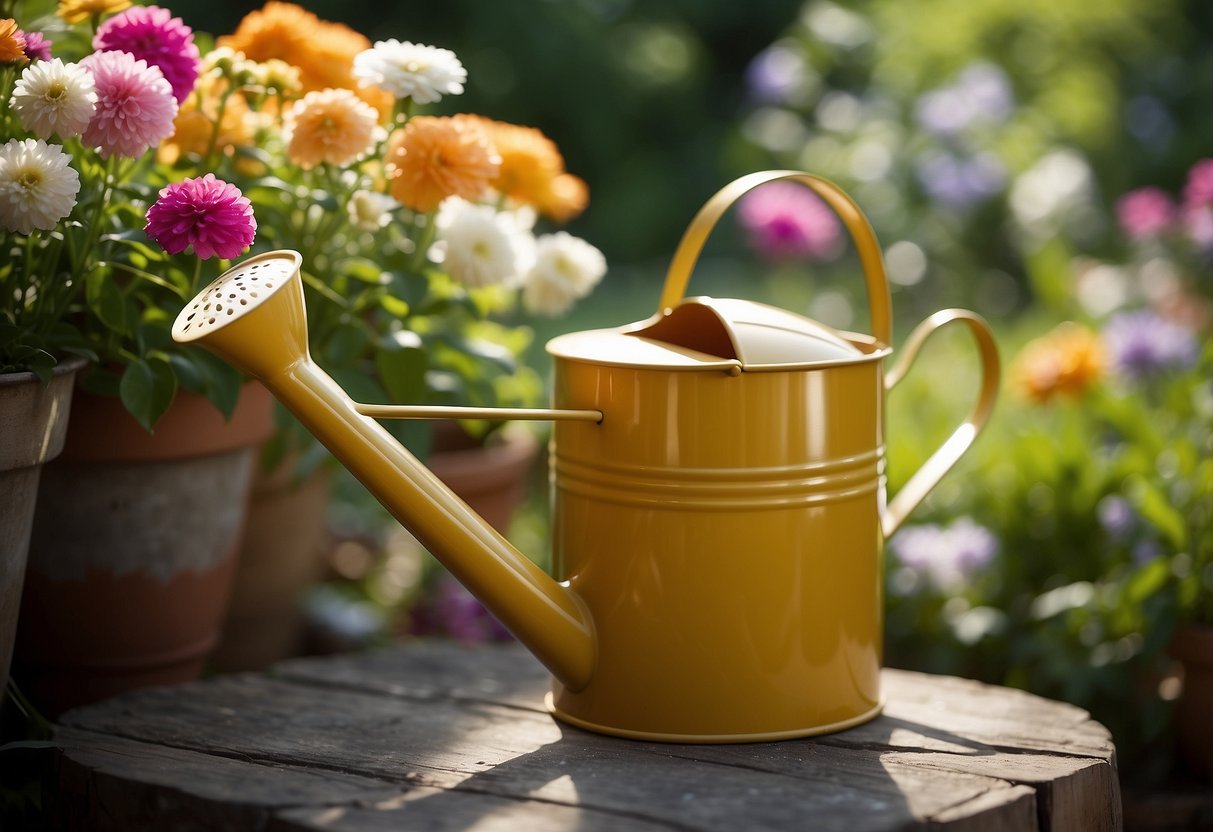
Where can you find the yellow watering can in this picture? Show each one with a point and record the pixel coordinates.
(718, 484)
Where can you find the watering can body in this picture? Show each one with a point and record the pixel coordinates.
(719, 510)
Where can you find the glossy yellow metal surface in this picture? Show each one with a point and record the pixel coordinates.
(719, 511)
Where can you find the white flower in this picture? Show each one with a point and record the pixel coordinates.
(478, 245)
(54, 97)
(369, 210)
(566, 268)
(37, 186)
(410, 70)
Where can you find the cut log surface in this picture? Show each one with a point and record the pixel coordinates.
(435, 736)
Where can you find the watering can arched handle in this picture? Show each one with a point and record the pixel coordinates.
(947, 454)
(689, 248)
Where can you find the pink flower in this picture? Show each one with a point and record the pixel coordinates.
(207, 213)
(135, 105)
(37, 47)
(152, 34)
(1145, 212)
(784, 219)
(1199, 188)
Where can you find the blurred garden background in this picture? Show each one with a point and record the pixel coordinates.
(1046, 163)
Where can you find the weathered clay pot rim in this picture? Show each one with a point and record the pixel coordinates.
(67, 365)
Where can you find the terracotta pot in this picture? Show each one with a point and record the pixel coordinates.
(33, 423)
(1193, 648)
(133, 547)
(491, 478)
(281, 554)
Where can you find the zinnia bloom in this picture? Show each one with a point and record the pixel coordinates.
(785, 219)
(135, 105)
(77, 11)
(54, 97)
(1066, 361)
(37, 186)
(154, 35)
(207, 213)
(410, 70)
(478, 245)
(333, 126)
(565, 199)
(1143, 343)
(323, 51)
(12, 43)
(37, 47)
(1145, 212)
(434, 157)
(566, 269)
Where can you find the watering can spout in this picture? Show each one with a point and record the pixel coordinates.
(253, 316)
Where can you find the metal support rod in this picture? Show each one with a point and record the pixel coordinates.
(390, 411)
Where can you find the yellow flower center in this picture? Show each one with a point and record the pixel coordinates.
(29, 179)
(55, 91)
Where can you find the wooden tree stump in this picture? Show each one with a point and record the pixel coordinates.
(435, 736)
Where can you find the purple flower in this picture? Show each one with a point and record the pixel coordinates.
(1116, 516)
(980, 95)
(787, 220)
(958, 181)
(152, 34)
(775, 75)
(452, 610)
(1145, 212)
(207, 213)
(1142, 343)
(947, 556)
(37, 47)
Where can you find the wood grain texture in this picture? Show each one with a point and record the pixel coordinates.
(433, 735)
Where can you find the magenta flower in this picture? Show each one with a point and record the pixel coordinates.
(784, 219)
(1198, 190)
(207, 213)
(135, 105)
(37, 47)
(152, 34)
(1145, 213)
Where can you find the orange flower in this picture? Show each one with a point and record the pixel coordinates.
(193, 126)
(532, 170)
(12, 43)
(433, 157)
(1066, 361)
(75, 11)
(322, 51)
(333, 126)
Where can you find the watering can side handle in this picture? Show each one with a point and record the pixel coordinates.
(679, 275)
(947, 454)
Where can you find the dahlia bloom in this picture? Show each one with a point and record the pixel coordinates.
(435, 157)
(207, 213)
(333, 126)
(948, 557)
(1068, 360)
(785, 219)
(12, 43)
(1143, 343)
(410, 70)
(478, 245)
(152, 34)
(135, 105)
(1145, 213)
(37, 47)
(78, 11)
(37, 186)
(566, 269)
(52, 97)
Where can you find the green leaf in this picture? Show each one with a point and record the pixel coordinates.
(402, 372)
(147, 389)
(106, 301)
